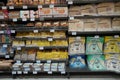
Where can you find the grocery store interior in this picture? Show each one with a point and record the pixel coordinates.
(60, 39)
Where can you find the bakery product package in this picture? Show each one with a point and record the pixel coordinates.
(74, 11)
(76, 45)
(94, 45)
(113, 62)
(117, 8)
(90, 24)
(88, 10)
(45, 12)
(107, 8)
(116, 24)
(104, 24)
(24, 14)
(96, 62)
(77, 61)
(112, 45)
(76, 25)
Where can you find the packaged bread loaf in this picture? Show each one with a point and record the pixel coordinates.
(47, 24)
(88, 10)
(35, 2)
(24, 14)
(14, 14)
(74, 11)
(117, 8)
(116, 24)
(56, 24)
(38, 24)
(106, 8)
(90, 24)
(47, 1)
(104, 24)
(64, 23)
(41, 2)
(45, 12)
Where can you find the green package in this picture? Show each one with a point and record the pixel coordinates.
(96, 62)
(94, 45)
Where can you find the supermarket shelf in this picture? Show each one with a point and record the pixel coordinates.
(6, 56)
(95, 33)
(93, 16)
(71, 2)
(41, 47)
(35, 6)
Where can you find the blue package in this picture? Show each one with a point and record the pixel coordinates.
(3, 50)
(77, 61)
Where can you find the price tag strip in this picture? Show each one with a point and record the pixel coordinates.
(74, 33)
(11, 7)
(14, 20)
(12, 31)
(35, 31)
(34, 72)
(41, 48)
(49, 72)
(25, 7)
(7, 56)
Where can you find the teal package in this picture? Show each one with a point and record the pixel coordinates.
(96, 62)
(77, 61)
(94, 45)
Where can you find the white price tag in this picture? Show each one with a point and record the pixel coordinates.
(5, 45)
(2, 25)
(39, 6)
(51, 6)
(19, 72)
(63, 72)
(24, 19)
(70, 2)
(12, 31)
(48, 61)
(71, 18)
(14, 20)
(25, 72)
(38, 61)
(41, 48)
(34, 72)
(1, 32)
(25, 7)
(7, 56)
(4, 7)
(18, 61)
(13, 72)
(116, 36)
(49, 72)
(50, 39)
(52, 30)
(74, 33)
(35, 31)
(32, 19)
(11, 7)
(96, 36)
(18, 48)
(11, 52)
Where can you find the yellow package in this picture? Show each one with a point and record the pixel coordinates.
(112, 45)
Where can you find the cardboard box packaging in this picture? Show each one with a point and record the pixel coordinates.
(90, 24)
(60, 11)
(88, 10)
(45, 12)
(104, 24)
(74, 11)
(116, 24)
(105, 8)
(76, 25)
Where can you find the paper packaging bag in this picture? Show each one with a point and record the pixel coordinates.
(117, 8)
(74, 11)
(105, 8)
(24, 14)
(104, 24)
(90, 24)
(60, 11)
(116, 24)
(14, 14)
(45, 12)
(88, 10)
(76, 25)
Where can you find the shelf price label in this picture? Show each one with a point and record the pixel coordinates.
(97, 36)
(11, 7)
(25, 72)
(74, 33)
(49, 72)
(63, 72)
(50, 39)
(52, 30)
(70, 2)
(116, 36)
(1, 32)
(12, 31)
(7, 56)
(32, 19)
(18, 61)
(13, 72)
(2, 25)
(24, 19)
(48, 61)
(34, 72)
(51, 6)
(71, 18)
(25, 7)
(4, 7)
(40, 6)
(15, 20)
(5, 45)
(18, 48)
(38, 61)
(35, 31)
(19, 72)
